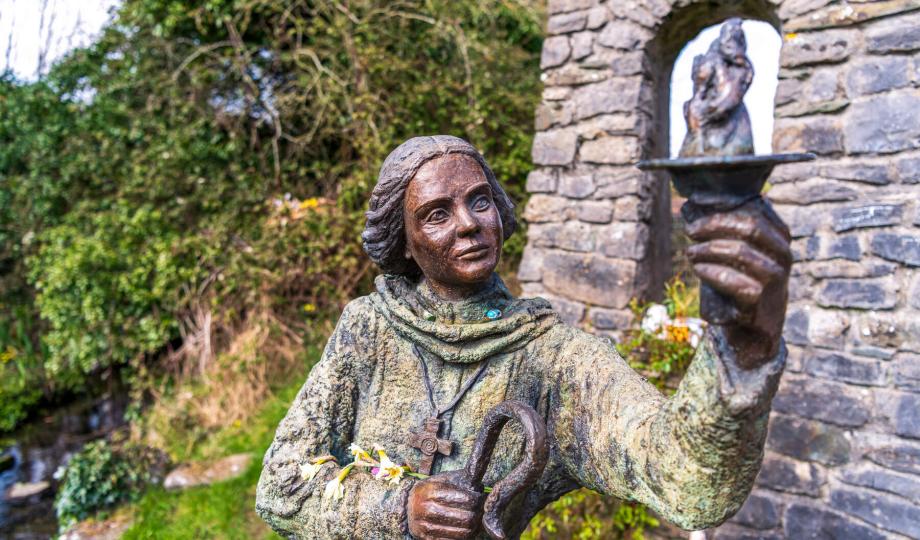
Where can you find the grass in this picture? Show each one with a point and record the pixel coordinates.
(223, 510)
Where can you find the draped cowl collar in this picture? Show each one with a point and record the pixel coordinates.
(459, 331)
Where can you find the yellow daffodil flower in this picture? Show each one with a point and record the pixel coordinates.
(387, 470)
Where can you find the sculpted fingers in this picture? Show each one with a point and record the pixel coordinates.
(755, 229)
(458, 498)
(739, 255)
(730, 282)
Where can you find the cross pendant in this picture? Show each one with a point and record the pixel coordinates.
(427, 442)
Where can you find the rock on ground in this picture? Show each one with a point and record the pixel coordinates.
(198, 474)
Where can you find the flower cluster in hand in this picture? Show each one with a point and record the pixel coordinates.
(382, 468)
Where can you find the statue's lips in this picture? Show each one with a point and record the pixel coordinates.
(473, 252)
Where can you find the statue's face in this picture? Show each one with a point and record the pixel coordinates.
(453, 229)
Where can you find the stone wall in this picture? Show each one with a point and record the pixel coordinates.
(843, 454)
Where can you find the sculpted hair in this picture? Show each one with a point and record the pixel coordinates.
(384, 233)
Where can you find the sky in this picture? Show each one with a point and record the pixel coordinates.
(34, 33)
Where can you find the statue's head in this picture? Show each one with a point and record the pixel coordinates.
(732, 43)
(438, 210)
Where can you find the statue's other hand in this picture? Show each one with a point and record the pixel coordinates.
(440, 508)
(744, 254)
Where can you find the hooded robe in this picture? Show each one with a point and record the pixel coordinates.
(692, 458)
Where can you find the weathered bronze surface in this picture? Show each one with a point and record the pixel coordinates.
(425, 524)
(436, 224)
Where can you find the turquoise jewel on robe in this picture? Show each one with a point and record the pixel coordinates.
(493, 314)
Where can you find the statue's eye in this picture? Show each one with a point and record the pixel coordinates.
(436, 216)
(481, 203)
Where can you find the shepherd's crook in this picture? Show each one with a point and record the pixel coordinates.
(524, 476)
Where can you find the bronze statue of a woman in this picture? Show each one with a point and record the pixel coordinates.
(442, 341)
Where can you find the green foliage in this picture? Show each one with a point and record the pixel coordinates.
(138, 179)
(103, 475)
(663, 360)
(586, 515)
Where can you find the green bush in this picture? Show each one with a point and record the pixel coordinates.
(137, 179)
(103, 475)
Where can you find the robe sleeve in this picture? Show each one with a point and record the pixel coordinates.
(320, 422)
(692, 457)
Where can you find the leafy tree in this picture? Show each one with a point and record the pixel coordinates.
(147, 183)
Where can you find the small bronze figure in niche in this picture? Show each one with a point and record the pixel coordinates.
(717, 120)
(423, 363)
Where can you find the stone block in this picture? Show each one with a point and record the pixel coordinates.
(759, 512)
(826, 401)
(612, 150)
(570, 312)
(590, 278)
(624, 35)
(576, 186)
(788, 91)
(858, 172)
(730, 531)
(562, 6)
(620, 64)
(808, 521)
(902, 248)
(871, 215)
(610, 96)
(818, 47)
(883, 124)
(792, 8)
(844, 247)
(811, 192)
(783, 474)
(885, 331)
(808, 440)
(594, 211)
(901, 458)
(882, 511)
(624, 240)
(839, 367)
(882, 480)
(573, 74)
(597, 17)
(898, 34)
(566, 23)
(556, 93)
(609, 124)
(827, 328)
(848, 269)
(582, 45)
(555, 147)
(575, 236)
(556, 51)
(632, 208)
(796, 327)
(858, 293)
(618, 184)
(553, 114)
(610, 319)
(907, 417)
(819, 135)
(913, 297)
(542, 181)
(546, 209)
(878, 74)
(531, 267)
(909, 170)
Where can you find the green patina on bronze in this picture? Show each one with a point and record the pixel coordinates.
(691, 457)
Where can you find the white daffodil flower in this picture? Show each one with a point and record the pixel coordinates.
(335, 489)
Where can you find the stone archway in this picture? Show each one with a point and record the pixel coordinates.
(845, 434)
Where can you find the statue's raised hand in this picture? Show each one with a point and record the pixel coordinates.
(744, 255)
(440, 507)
